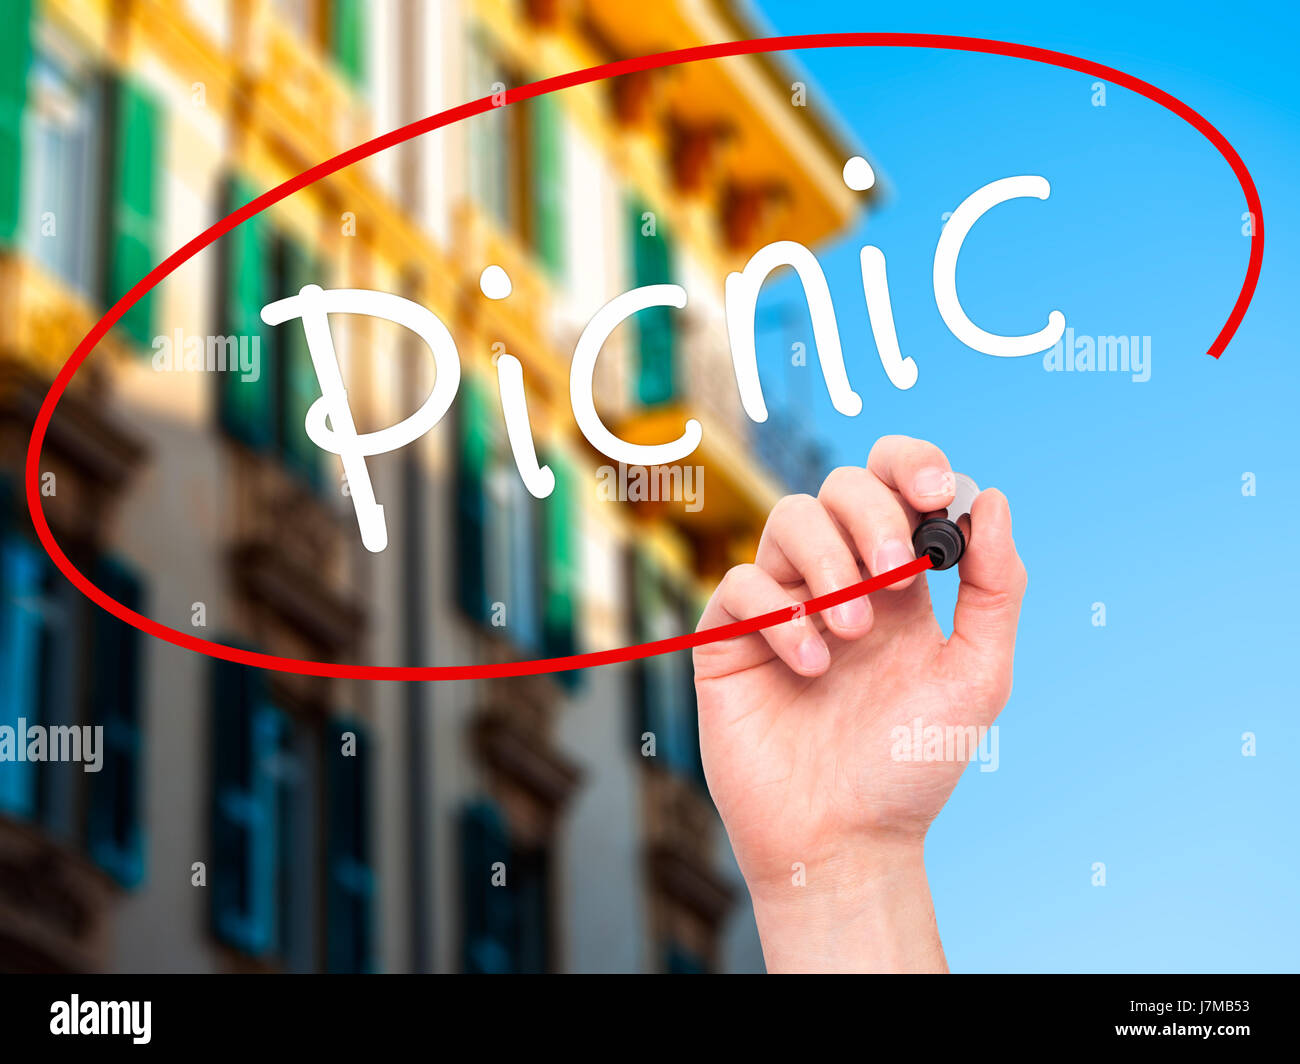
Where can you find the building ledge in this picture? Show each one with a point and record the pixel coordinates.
(690, 882)
(737, 493)
(292, 590)
(52, 904)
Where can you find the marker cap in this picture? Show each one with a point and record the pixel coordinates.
(939, 535)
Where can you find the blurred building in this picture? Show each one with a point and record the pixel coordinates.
(244, 820)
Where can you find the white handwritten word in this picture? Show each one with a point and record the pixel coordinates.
(330, 425)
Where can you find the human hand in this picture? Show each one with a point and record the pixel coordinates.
(796, 720)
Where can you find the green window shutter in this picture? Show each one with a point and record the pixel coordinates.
(247, 737)
(471, 498)
(488, 134)
(487, 912)
(548, 182)
(136, 124)
(22, 567)
(350, 890)
(561, 573)
(114, 832)
(514, 526)
(652, 258)
(246, 408)
(348, 38)
(15, 58)
(645, 601)
(298, 385)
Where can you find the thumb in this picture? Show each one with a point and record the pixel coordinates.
(993, 580)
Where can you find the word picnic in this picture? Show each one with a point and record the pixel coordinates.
(330, 425)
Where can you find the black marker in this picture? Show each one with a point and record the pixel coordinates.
(938, 534)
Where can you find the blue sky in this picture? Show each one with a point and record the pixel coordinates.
(1121, 744)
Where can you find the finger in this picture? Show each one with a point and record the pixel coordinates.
(747, 592)
(992, 588)
(801, 543)
(917, 470)
(874, 518)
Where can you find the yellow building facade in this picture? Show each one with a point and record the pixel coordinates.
(250, 821)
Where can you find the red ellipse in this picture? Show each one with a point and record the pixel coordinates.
(525, 92)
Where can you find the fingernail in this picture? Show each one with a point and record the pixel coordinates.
(890, 555)
(851, 614)
(933, 483)
(812, 654)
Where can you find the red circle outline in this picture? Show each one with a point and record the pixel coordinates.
(524, 92)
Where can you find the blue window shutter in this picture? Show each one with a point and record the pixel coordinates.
(681, 961)
(22, 566)
(247, 736)
(114, 831)
(350, 890)
(487, 911)
(687, 708)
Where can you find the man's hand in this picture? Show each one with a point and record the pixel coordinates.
(796, 720)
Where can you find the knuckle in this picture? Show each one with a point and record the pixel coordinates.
(839, 481)
(739, 576)
(790, 506)
(888, 443)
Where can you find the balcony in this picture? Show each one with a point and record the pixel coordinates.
(53, 905)
(42, 320)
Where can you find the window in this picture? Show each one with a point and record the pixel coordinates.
(266, 410)
(497, 520)
(664, 695)
(656, 349)
(67, 131)
(246, 408)
(246, 733)
(350, 882)
(135, 124)
(15, 57)
(546, 149)
(62, 153)
(281, 781)
(51, 676)
(21, 626)
(516, 160)
(347, 38)
(113, 830)
(489, 137)
(505, 897)
(562, 568)
(296, 386)
(678, 960)
(517, 558)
